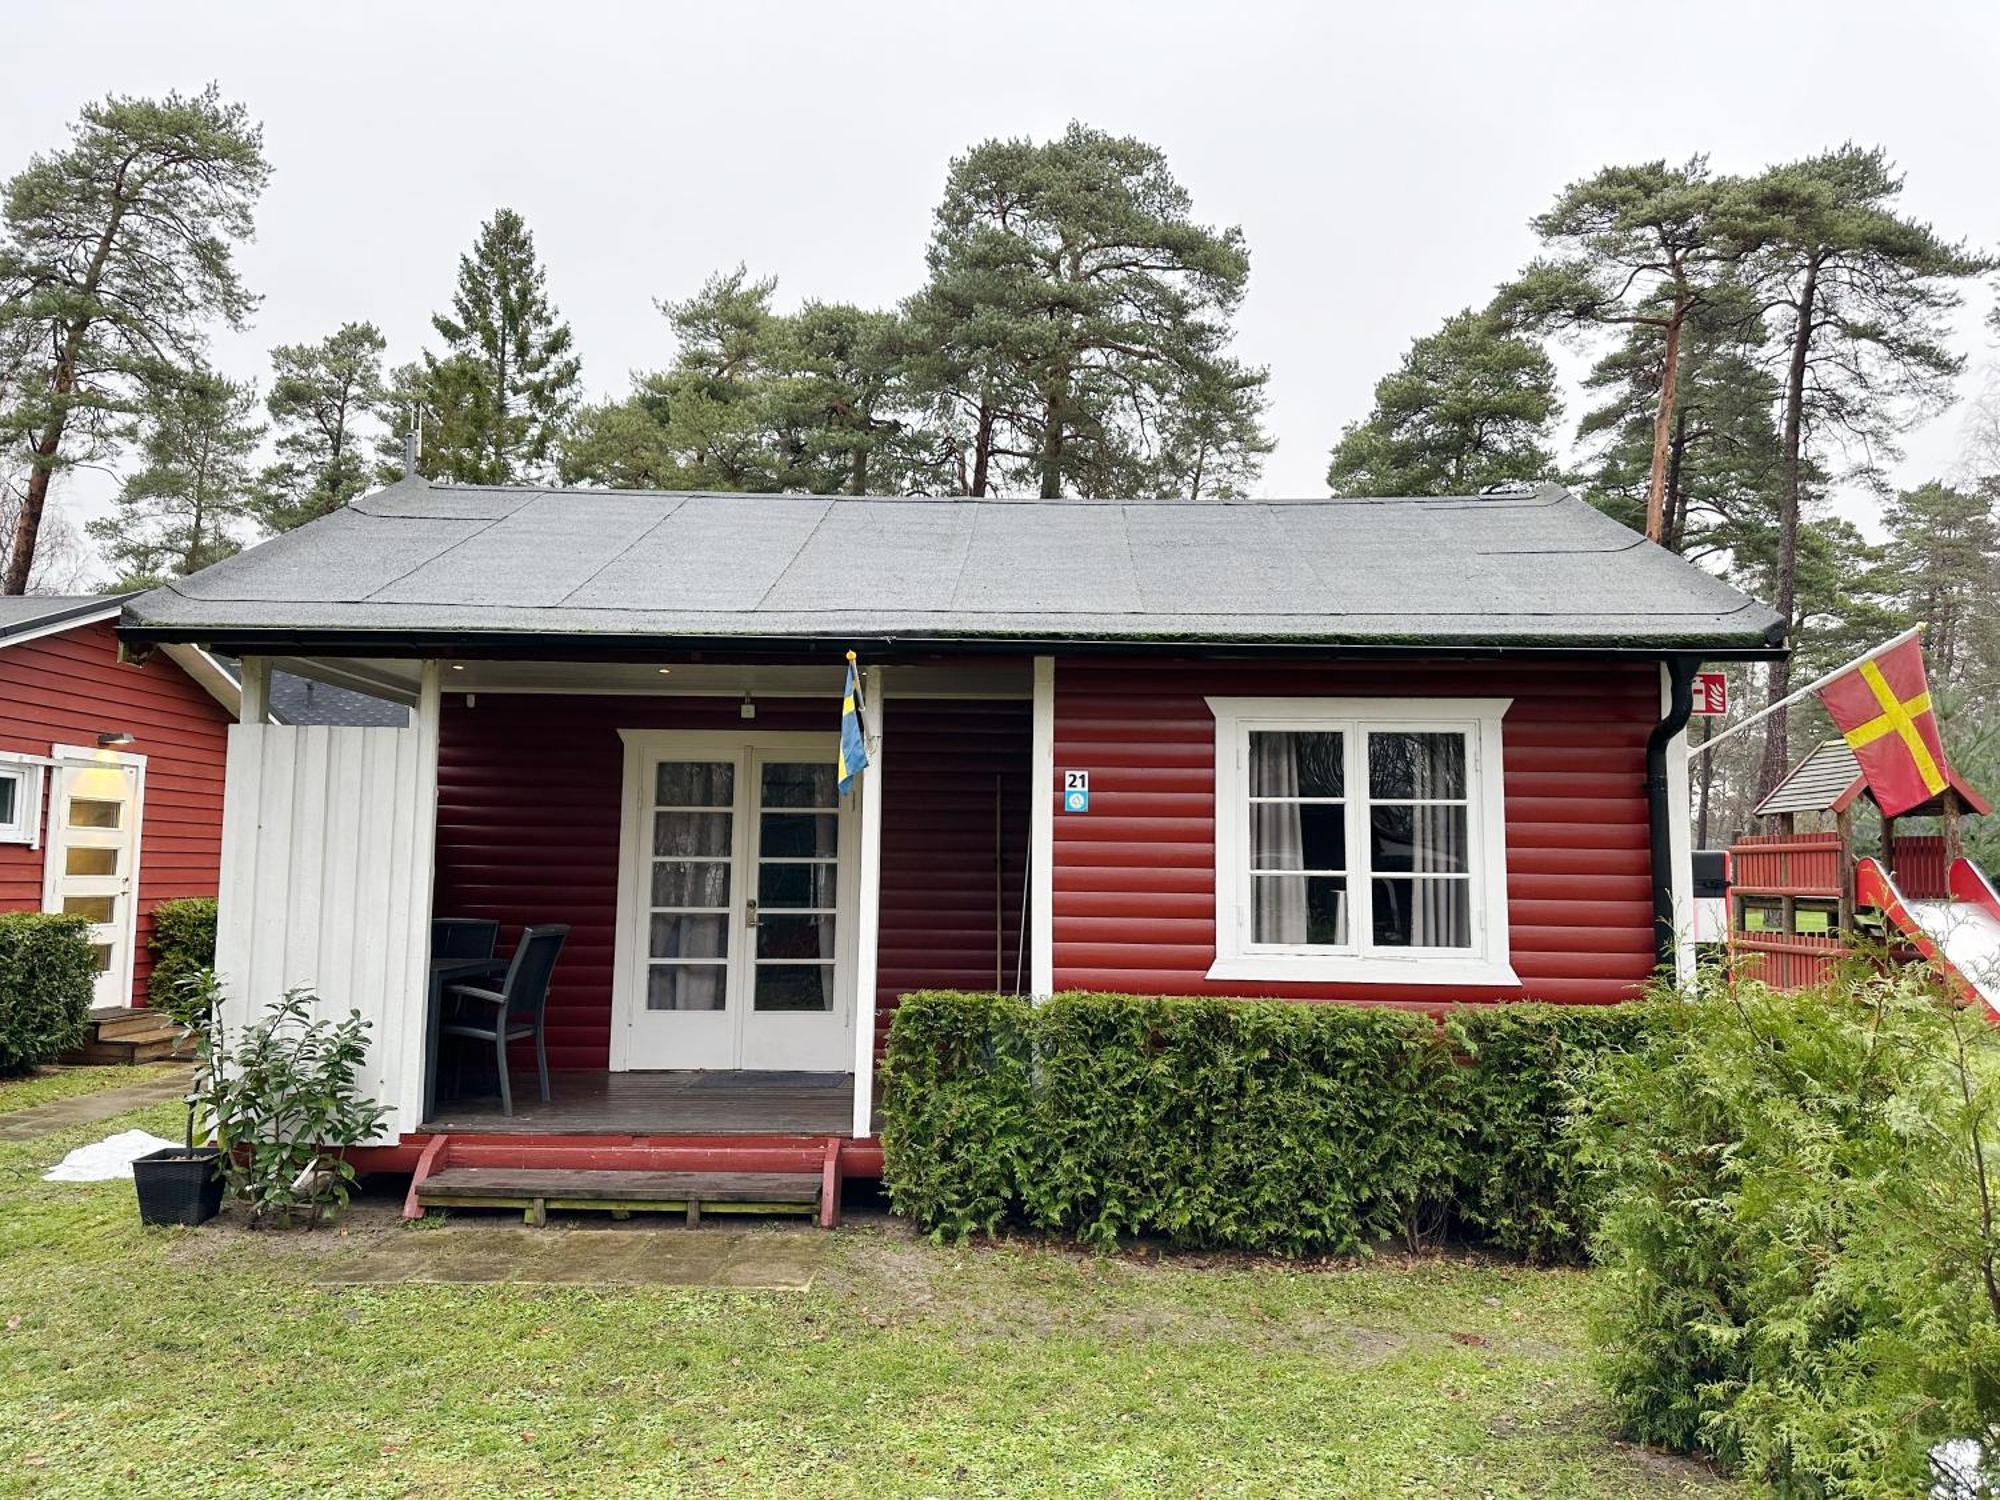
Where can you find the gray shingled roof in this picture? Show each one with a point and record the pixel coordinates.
(21, 613)
(434, 561)
(1816, 783)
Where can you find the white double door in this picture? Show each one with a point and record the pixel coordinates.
(737, 936)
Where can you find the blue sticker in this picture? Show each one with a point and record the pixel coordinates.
(1077, 800)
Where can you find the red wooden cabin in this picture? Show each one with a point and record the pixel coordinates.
(110, 778)
(1410, 752)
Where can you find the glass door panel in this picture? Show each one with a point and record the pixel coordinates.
(798, 866)
(693, 825)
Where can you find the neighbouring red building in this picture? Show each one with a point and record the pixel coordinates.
(110, 777)
(1418, 752)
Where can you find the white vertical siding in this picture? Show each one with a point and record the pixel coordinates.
(326, 859)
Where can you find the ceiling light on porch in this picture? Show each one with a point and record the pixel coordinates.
(111, 739)
(458, 666)
(663, 671)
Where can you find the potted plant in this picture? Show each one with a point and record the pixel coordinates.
(183, 1184)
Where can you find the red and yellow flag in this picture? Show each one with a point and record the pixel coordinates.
(1883, 708)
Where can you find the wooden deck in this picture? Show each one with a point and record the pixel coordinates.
(668, 1103)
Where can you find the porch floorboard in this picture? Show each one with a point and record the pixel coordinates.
(662, 1103)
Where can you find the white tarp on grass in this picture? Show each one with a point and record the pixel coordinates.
(105, 1160)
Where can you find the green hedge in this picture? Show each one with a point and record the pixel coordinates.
(47, 975)
(182, 944)
(1253, 1125)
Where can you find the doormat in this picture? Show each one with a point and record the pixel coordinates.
(742, 1083)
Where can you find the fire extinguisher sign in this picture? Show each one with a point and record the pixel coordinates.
(1711, 695)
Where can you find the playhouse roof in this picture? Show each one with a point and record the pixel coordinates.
(1829, 778)
(421, 564)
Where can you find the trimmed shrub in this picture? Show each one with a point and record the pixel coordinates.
(47, 975)
(1797, 1237)
(182, 945)
(1521, 1187)
(1251, 1125)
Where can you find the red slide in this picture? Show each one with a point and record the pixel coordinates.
(1960, 935)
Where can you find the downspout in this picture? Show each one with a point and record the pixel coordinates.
(1680, 708)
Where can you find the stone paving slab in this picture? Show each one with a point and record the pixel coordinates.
(88, 1109)
(476, 1254)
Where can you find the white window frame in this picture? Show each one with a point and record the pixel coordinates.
(1486, 962)
(25, 771)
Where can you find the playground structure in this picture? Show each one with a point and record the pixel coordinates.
(1800, 900)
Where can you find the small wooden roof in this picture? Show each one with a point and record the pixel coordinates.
(1829, 779)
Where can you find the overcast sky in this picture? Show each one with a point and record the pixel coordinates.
(1382, 159)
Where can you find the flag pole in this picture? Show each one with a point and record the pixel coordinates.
(1808, 690)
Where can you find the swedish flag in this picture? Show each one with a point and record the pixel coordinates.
(853, 744)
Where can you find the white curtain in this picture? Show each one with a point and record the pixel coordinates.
(1277, 841)
(1437, 844)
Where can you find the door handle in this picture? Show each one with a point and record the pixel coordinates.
(751, 919)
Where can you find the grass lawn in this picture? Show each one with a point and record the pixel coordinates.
(46, 1085)
(209, 1361)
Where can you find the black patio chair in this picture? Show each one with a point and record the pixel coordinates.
(513, 1012)
(463, 937)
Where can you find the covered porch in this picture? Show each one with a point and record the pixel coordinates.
(737, 932)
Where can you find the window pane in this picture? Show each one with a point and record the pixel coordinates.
(686, 986)
(1423, 839)
(678, 882)
(801, 784)
(91, 908)
(691, 833)
(1298, 836)
(690, 937)
(794, 937)
(1288, 763)
(794, 987)
(87, 861)
(794, 835)
(10, 797)
(1423, 913)
(1299, 909)
(100, 957)
(1416, 765)
(93, 812)
(780, 886)
(695, 783)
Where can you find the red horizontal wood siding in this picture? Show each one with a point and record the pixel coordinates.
(528, 823)
(1134, 900)
(70, 687)
(957, 778)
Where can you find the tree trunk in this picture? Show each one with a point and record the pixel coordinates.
(1052, 449)
(1656, 484)
(982, 450)
(1777, 749)
(1676, 520)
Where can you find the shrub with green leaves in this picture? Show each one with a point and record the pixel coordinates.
(182, 944)
(1256, 1125)
(47, 981)
(1521, 1187)
(282, 1099)
(1798, 1233)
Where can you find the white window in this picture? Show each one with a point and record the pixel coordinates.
(1360, 840)
(20, 800)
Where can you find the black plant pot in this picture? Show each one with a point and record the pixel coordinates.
(179, 1185)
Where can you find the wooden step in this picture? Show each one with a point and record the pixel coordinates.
(536, 1190)
(129, 1023)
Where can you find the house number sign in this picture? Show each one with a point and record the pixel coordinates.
(1076, 791)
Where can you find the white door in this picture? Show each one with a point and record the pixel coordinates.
(92, 865)
(742, 860)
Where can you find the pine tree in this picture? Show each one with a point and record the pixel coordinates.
(1944, 554)
(178, 512)
(1633, 247)
(1077, 316)
(503, 327)
(320, 394)
(1469, 406)
(1858, 296)
(116, 254)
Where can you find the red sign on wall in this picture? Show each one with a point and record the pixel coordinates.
(1711, 695)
